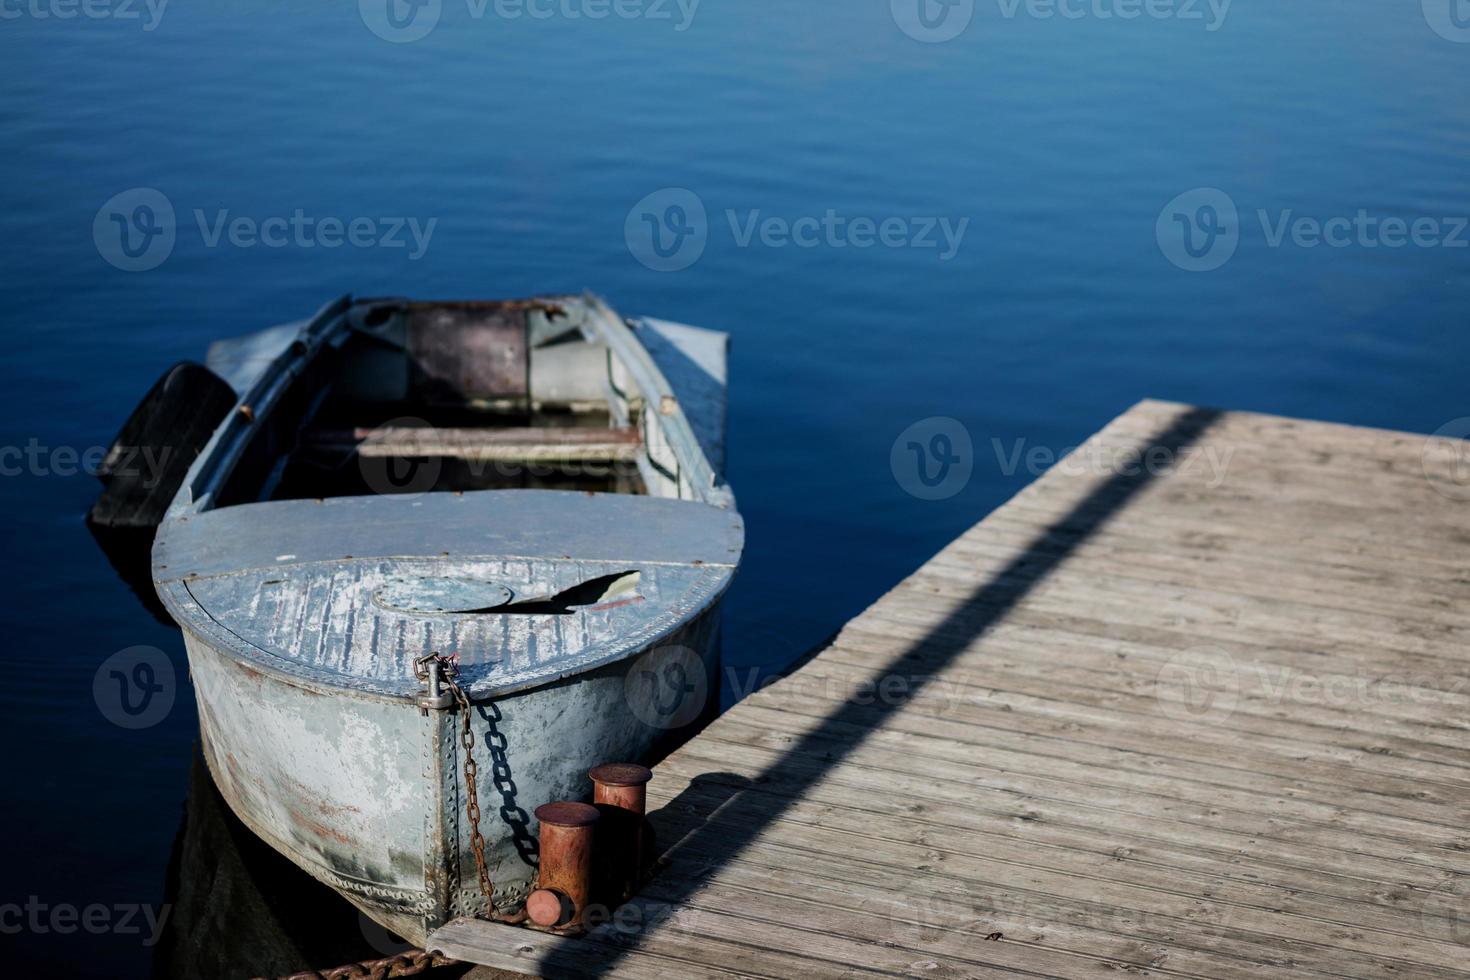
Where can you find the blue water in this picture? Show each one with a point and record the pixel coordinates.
(1055, 144)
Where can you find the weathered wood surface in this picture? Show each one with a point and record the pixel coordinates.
(1207, 717)
(543, 444)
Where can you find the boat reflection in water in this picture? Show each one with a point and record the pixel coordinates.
(239, 909)
(236, 907)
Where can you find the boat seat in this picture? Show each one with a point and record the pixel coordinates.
(544, 445)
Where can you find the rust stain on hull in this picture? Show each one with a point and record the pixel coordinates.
(319, 830)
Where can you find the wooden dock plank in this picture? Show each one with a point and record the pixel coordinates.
(1203, 715)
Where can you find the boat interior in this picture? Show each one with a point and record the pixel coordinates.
(418, 397)
(321, 500)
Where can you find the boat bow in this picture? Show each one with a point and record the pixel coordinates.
(524, 586)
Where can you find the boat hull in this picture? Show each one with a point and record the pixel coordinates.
(367, 793)
(584, 622)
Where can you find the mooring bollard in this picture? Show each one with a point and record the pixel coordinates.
(621, 797)
(566, 865)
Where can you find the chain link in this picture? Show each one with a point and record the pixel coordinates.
(407, 964)
(472, 796)
(449, 669)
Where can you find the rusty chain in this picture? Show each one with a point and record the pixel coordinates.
(421, 669)
(408, 964)
(472, 797)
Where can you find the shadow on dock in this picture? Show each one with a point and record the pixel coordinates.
(740, 817)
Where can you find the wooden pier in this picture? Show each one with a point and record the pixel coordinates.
(1194, 704)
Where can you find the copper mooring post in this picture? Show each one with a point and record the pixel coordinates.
(621, 796)
(566, 865)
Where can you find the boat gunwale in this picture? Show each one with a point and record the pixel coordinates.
(709, 487)
(217, 460)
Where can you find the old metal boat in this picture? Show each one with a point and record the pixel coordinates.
(411, 509)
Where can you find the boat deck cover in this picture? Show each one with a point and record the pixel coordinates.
(324, 589)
